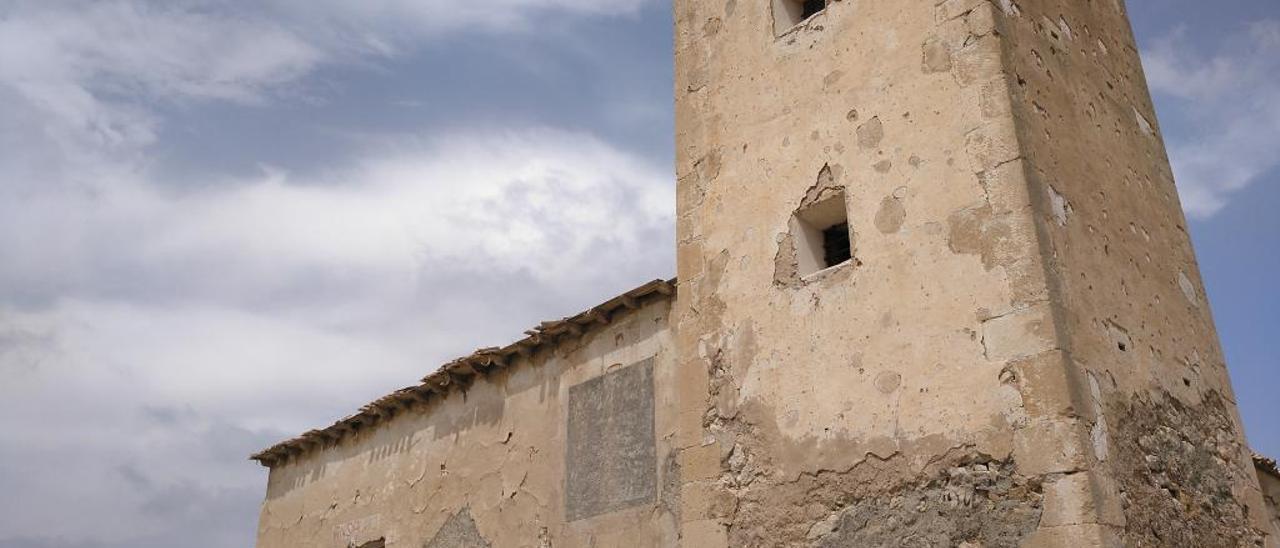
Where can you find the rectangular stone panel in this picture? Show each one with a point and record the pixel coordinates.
(610, 457)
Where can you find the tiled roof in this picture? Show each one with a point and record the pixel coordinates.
(464, 370)
(1266, 465)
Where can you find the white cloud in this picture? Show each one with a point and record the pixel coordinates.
(151, 49)
(544, 201)
(1231, 102)
(396, 20)
(84, 77)
(274, 304)
(153, 334)
(84, 72)
(224, 49)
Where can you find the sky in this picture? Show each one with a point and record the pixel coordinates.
(223, 223)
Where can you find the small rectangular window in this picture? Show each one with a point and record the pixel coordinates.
(789, 13)
(822, 236)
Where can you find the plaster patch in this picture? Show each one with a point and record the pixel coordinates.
(937, 58)
(1060, 207)
(871, 133)
(610, 454)
(891, 215)
(888, 382)
(1188, 289)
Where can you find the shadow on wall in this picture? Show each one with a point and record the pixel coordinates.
(440, 419)
(482, 402)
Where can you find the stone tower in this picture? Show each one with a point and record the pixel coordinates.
(936, 286)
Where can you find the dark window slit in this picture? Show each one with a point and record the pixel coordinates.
(835, 244)
(811, 7)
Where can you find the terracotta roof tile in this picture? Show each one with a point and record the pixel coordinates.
(1265, 464)
(463, 370)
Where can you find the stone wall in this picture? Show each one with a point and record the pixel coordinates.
(889, 392)
(569, 449)
(1129, 304)
(1022, 332)
(1018, 353)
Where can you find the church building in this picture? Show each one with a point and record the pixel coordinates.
(934, 288)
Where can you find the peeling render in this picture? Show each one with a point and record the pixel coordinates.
(1022, 270)
(1164, 429)
(485, 466)
(1019, 353)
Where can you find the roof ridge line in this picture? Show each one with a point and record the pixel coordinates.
(460, 372)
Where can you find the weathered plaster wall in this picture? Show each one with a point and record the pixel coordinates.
(1024, 307)
(1129, 303)
(1019, 354)
(916, 391)
(488, 467)
(1271, 493)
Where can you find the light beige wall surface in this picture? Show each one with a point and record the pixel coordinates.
(1271, 492)
(1015, 224)
(1020, 353)
(497, 451)
(1130, 305)
(832, 398)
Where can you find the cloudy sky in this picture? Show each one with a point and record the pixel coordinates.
(223, 223)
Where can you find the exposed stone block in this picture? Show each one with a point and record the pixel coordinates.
(1081, 498)
(707, 533)
(701, 462)
(992, 144)
(1055, 446)
(977, 62)
(982, 20)
(1019, 334)
(1051, 387)
(951, 9)
(706, 500)
(1075, 536)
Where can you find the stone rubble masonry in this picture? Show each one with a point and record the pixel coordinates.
(1019, 354)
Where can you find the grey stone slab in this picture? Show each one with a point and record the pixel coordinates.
(459, 531)
(611, 457)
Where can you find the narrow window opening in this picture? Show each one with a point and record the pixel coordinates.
(822, 236)
(812, 7)
(380, 543)
(835, 245)
(789, 13)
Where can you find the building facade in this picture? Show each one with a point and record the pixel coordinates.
(935, 289)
